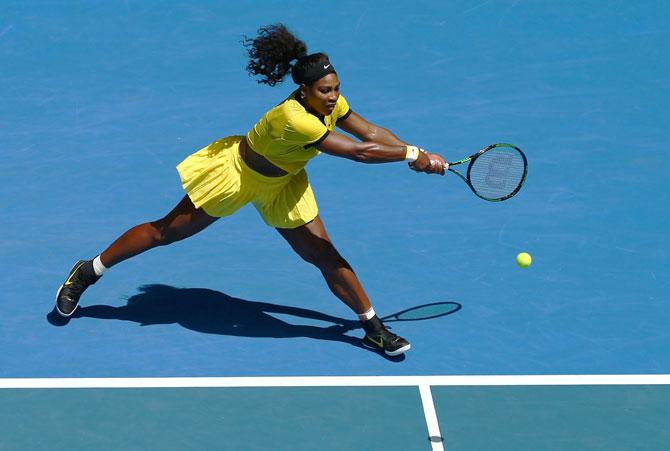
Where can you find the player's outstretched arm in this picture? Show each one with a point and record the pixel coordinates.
(340, 145)
(364, 130)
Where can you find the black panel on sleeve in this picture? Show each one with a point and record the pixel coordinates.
(318, 141)
(346, 115)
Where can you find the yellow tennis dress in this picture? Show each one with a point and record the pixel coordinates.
(217, 180)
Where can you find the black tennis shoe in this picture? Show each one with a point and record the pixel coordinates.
(81, 276)
(387, 341)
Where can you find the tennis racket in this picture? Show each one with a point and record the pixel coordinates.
(496, 172)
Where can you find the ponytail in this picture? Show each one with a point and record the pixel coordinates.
(272, 52)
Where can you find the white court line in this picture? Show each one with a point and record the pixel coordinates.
(337, 381)
(431, 418)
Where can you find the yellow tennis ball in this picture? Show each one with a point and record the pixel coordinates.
(523, 260)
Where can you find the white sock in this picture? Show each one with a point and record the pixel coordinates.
(367, 315)
(98, 267)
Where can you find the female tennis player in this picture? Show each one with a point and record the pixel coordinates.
(266, 167)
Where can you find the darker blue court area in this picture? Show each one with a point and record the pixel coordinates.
(101, 100)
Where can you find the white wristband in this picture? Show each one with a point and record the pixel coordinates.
(412, 153)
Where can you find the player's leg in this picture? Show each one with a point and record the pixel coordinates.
(311, 242)
(182, 222)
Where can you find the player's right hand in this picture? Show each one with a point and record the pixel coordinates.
(429, 163)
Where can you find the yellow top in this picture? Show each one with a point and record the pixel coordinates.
(287, 135)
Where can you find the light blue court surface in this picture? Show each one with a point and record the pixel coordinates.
(100, 101)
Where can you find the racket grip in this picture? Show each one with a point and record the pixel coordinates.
(434, 162)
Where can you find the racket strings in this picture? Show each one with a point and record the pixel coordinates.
(498, 172)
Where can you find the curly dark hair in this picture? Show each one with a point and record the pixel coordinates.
(271, 53)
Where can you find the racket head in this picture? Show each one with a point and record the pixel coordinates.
(497, 172)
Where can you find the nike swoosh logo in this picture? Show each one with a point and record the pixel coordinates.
(379, 343)
(68, 282)
(326, 66)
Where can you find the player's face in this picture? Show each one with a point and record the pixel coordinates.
(322, 95)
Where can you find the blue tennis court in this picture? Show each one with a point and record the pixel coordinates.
(228, 340)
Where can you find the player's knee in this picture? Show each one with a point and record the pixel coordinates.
(162, 235)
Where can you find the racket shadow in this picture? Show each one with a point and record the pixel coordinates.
(421, 312)
(424, 312)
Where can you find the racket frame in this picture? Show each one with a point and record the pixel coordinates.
(472, 158)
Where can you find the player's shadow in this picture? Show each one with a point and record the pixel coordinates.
(212, 312)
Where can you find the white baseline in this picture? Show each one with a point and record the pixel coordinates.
(337, 381)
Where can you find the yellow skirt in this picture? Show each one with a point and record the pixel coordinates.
(217, 180)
